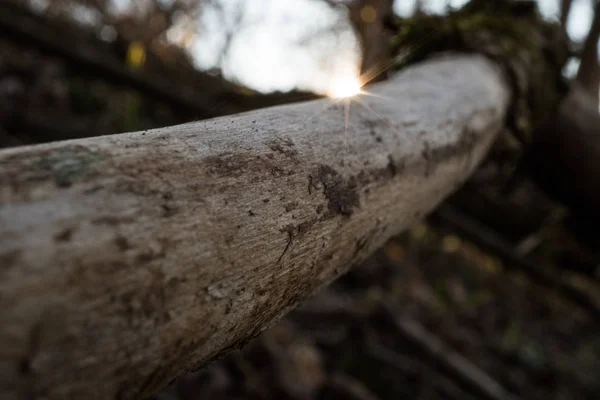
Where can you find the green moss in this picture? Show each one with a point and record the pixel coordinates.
(532, 51)
(70, 164)
(478, 27)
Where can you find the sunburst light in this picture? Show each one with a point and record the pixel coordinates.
(344, 87)
(347, 87)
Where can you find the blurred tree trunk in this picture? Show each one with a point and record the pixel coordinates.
(588, 75)
(369, 17)
(565, 10)
(564, 154)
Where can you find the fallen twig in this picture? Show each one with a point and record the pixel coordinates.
(490, 241)
(452, 362)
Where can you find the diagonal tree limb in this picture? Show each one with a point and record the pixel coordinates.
(128, 259)
(23, 27)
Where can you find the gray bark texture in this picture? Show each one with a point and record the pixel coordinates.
(126, 260)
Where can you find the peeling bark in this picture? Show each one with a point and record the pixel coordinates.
(128, 259)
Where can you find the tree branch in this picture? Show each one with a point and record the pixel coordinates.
(128, 259)
(23, 27)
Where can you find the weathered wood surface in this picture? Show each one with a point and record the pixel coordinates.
(127, 259)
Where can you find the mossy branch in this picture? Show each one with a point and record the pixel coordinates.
(532, 52)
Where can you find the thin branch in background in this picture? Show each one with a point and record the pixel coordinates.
(490, 241)
(451, 361)
(588, 75)
(21, 26)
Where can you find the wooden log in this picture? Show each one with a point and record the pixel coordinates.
(126, 260)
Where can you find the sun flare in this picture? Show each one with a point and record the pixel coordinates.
(344, 87)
